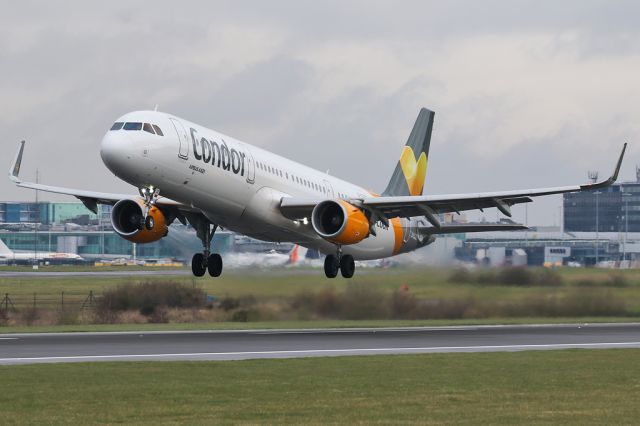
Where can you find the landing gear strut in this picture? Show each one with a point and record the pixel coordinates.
(206, 261)
(150, 196)
(340, 262)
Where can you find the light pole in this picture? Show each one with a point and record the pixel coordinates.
(626, 196)
(597, 228)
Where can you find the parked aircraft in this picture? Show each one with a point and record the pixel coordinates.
(10, 256)
(265, 260)
(186, 172)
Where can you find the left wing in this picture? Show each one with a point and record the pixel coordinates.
(384, 208)
(90, 199)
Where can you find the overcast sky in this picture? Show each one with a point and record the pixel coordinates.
(526, 93)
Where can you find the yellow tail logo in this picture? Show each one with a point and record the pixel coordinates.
(414, 171)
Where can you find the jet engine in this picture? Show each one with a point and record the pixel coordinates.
(340, 222)
(127, 219)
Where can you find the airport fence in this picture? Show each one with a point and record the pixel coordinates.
(51, 301)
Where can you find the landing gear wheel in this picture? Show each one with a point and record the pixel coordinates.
(198, 266)
(331, 266)
(149, 223)
(347, 266)
(214, 265)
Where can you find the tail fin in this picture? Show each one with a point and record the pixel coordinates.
(293, 255)
(408, 177)
(4, 249)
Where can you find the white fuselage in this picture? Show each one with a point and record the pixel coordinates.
(32, 256)
(236, 185)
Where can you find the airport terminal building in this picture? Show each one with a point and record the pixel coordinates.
(612, 209)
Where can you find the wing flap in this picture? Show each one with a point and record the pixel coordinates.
(468, 227)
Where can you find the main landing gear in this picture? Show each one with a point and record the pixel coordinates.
(206, 261)
(340, 262)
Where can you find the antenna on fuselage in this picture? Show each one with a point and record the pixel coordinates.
(155, 108)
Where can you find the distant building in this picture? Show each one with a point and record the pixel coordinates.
(607, 206)
(47, 213)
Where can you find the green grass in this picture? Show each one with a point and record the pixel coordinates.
(279, 285)
(554, 387)
(282, 282)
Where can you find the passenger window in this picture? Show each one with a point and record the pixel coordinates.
(147, 128)
(158, 130)
(133, 126)
(117, 125)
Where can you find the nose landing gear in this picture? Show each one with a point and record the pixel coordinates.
(340, 262)
(150, 196)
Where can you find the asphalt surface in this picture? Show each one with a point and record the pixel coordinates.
(98, 273)
(235, 345)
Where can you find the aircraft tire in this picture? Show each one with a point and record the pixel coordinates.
(331, 266)
(149, 223)
(197, 265)
(347, 266)
(214, 265)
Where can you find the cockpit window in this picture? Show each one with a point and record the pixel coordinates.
(117, 125)
(133, 126)
(147, 128)
(158, 130)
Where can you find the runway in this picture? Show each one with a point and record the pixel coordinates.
(96, 273)
(237, 345)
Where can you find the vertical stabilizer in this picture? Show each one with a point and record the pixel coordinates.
(411, 170)
(4, 249)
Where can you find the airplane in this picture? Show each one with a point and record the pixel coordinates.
(8, 255)
(187, 172)
(265, 260)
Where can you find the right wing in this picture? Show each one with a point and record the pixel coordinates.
(387, 207)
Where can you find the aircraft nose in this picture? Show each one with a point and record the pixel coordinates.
(114, 150)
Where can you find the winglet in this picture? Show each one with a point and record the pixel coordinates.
(14, 171)
(612, 178)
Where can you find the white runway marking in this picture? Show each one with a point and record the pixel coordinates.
(8, 338)
(293, 353)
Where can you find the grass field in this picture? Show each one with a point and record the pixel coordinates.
(547, 387)
(282, 282)
(270, 298)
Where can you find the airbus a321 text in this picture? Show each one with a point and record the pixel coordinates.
(189, 173)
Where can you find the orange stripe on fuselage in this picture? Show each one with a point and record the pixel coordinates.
(397, 233)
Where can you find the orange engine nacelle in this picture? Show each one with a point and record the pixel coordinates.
(127, 219)
(340, 222)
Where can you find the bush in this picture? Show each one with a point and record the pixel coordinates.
(515, 276)
(147, 297)
(520, 276)
(363, 302)
(229, 303)
(403, 305)
(617, 280)
(460, 275)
